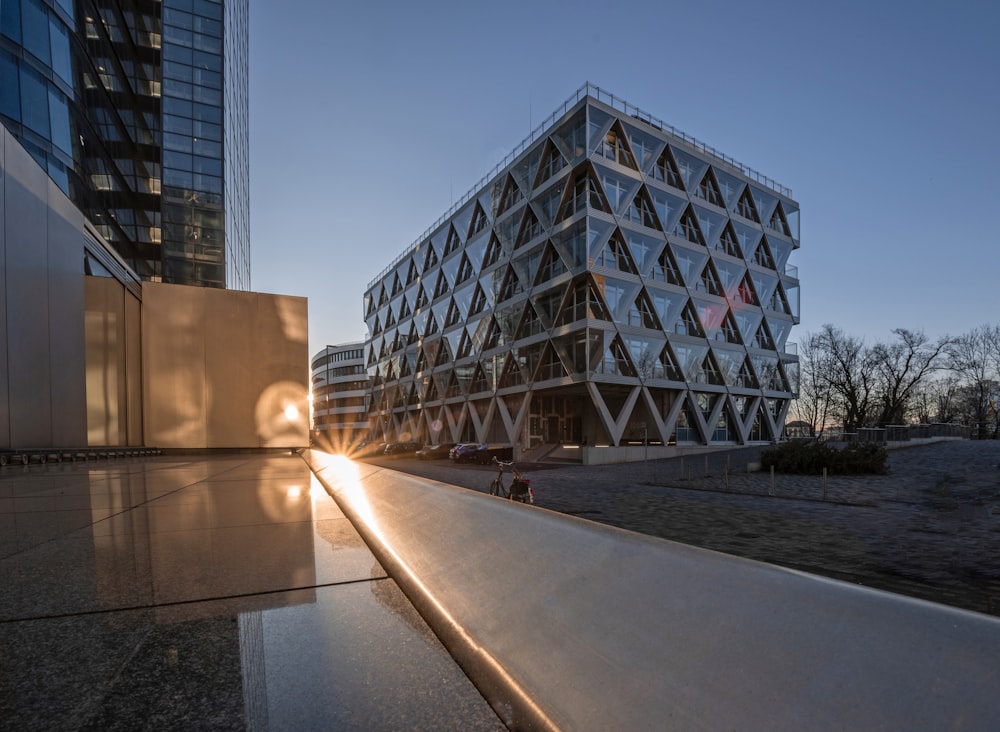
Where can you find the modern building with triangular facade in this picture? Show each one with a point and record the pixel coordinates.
(614, 283)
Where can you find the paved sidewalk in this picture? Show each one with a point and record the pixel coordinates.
(222, 592)
(929, 529)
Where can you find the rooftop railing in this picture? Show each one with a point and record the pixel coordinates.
(605, 97)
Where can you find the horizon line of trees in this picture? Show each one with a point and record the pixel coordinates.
(847, 384)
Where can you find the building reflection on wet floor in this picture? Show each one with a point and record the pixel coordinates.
(223, 592)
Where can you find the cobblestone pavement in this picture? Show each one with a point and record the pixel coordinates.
(929, 529)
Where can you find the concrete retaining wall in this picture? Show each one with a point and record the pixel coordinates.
(567, 624)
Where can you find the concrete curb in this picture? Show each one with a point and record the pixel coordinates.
(563, 623)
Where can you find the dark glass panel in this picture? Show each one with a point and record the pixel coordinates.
(35, 23)
(10, 95)
(59, 121)
(59, 38)
(34, 102)
(10, 19)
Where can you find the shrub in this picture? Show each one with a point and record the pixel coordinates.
(807, 457)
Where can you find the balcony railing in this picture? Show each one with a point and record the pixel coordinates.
(587, 90)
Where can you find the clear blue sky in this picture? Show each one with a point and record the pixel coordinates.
(369, 119)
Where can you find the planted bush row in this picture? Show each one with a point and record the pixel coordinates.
(808, 457)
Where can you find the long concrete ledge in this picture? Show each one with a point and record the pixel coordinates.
(567, 624)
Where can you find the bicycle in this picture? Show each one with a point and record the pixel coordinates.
(520, 487)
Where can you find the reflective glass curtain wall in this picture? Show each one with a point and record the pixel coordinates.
(194, 244)
(237, 143)
(79, 89)
(122, 102)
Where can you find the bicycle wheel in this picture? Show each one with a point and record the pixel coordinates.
(496, 488)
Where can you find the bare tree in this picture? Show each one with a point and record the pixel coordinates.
(847, 368)
(813, 402)
(973, 357)
(899, 368)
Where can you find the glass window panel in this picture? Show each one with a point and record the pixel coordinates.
(178, 53)
(34, 102)
(618, 189)
(178, 107)
(177, 178)
(177, 36)
(59, 175)
(792, 294)
(792, 215)
(781, 251)
(209, 61)
(59, 121)
(177, 89)
(690, 168)
(764, 284)
(10, 95)
(669, 208)
(208, 183)
(690, 263)
(178, 18)
(66, 5)
(205, 77)
(59, 39)
(208, 8)
(208, 27)
(765, 203)
(599, 122)
(36, 30)
(10, 19)
(178, 143)
(207, 43)
(711, 224)
(177, 125)
(729, 363)
(179, 71)
(747, 320)
(645, 354)
(208, 131)
(667, 306)
(645, 249)
(730, 275)
(689, 358)
(177, 160)
(207, 96)
(731, 187)
(748, 237)
(205, 113)
(208, 148)
(645, 147)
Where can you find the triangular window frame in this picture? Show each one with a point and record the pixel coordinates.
(688, 228)
(665, 170)
(584, 190)
(551, 162)
(614, 146)
(746, 207)
(641, 210)
(728, 241)
(510, 197)
(479, 221)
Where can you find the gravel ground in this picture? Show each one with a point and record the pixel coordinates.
(929, 529)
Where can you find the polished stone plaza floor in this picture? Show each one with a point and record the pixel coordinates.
(224, 592)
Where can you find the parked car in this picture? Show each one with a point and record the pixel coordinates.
(398, 449)
(435, 452)
(461, 449)
(482, 454)
(369, 449)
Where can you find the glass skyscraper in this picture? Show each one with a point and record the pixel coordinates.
(138, 111)
(614, 282)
